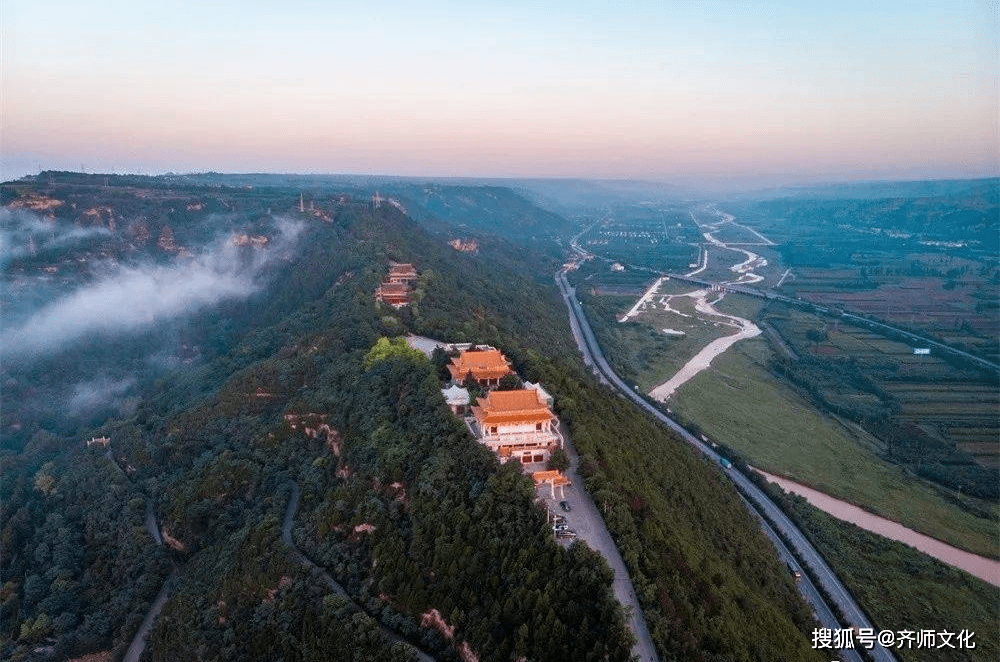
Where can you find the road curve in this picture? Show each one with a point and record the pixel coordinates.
(827, 578)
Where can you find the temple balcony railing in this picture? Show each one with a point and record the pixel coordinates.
(538, 438)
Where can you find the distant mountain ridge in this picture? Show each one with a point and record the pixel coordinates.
(876, 189)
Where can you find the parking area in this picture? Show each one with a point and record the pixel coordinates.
(584, 518)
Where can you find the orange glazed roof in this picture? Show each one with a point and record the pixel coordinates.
(486, 364)
(402, 269)
(524, 406)
(555, 476)
(393, 288)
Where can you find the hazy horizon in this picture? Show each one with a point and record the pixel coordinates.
(714, 96)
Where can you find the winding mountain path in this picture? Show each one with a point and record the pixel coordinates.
(321, 576)
(138, 645)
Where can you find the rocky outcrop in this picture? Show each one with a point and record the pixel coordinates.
(465, 245)
(140, 232)
(255, 240)
(167, 243)
(36, 202)
(434, 619)
(173, 542)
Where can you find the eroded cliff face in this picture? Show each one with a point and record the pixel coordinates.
(37, 202)
(255, 240)
(465, 245)
(166, 240)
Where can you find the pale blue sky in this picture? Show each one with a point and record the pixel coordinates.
(687, 90)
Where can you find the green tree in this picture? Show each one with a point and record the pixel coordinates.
(509, 382)
(386, 348)
(559, 460)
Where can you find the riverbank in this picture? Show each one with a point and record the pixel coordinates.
(979, 566)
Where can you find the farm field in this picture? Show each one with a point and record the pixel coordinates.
(658, 239)
(928, 261)
(963, 313)
(840, 408)
(667, 333)
(954, 406)
(738, 402)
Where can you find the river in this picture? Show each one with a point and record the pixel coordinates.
(986, 569)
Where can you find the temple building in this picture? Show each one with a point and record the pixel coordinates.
(517, 425)
(486, 367)
(457, 399)
(402, 273)
(555, 479)
(549, 400)
(394, 294)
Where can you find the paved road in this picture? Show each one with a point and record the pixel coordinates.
(138, 644)
(151, 526)
(323, 577)
(805, 585)
(585, 519)
(827, 578)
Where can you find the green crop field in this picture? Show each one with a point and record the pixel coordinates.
(739, 403)
(919, 390)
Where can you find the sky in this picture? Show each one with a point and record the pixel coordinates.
(686, 92)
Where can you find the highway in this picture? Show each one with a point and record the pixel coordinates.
(827, 579)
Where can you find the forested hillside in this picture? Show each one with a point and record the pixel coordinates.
(420, 525)
(481, 209)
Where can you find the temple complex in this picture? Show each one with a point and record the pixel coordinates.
(395, 289)
(517, 425)
(549, 400)
(486, 366)
(402, 273)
